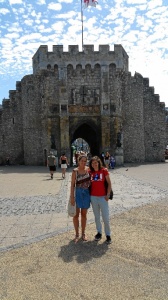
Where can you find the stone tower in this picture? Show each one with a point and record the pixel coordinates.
(89, 94)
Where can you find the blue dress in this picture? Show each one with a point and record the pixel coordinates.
(82, 194)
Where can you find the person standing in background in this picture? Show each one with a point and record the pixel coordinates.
(51, 163)
(64, 163)
(112, 162)
(107, 159)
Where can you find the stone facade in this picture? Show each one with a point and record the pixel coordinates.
(89, 94)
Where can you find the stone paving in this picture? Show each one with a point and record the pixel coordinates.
(39, 263)
(33, 207)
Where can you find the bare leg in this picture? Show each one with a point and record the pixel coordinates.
(83, 222)
(76, 224)
(63, 173)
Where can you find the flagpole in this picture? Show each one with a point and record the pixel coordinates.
(82, 23)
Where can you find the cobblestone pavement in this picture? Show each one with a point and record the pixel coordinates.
(33, 207)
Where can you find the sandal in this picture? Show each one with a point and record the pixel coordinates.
(76, 238)
(84, 238)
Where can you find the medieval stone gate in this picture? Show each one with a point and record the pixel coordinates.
(89, 94)
(95, 130)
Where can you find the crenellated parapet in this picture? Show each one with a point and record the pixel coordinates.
(44, 59)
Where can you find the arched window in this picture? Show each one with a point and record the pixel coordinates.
(88, 67)
(55, 68)
(69, 70)
(97, 70)
(49, 67)
(56, 73)
(79, 69)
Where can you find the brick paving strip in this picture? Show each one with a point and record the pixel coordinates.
(35, 206)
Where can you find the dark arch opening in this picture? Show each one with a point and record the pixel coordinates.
(90, 135)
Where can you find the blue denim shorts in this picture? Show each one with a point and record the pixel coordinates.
(82, 197)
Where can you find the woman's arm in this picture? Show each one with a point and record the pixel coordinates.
(109, 186)
(73, 182)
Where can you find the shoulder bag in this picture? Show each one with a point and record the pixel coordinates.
(106, 188)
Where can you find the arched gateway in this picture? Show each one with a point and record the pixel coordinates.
(91, 134)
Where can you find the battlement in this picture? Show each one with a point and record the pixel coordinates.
(58, 56)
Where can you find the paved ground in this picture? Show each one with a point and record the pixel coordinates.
(40, 263)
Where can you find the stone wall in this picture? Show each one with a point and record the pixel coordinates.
(154, 124)
(133, 123)
(11, 128)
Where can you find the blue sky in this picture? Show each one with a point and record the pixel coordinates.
(139, 25)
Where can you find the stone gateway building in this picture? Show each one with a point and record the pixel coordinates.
(89, 95)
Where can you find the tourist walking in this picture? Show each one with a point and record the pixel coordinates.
(100, 197)
(107, 159)
(64, 163)
(80, 183)
(51, 163)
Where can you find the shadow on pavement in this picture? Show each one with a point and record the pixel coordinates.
(82, 252)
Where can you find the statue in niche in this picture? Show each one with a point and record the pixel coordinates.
(73, 96)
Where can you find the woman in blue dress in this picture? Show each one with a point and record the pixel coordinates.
(80, 183)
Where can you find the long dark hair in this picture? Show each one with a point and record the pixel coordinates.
(98, 160)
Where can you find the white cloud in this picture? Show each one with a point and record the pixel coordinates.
(54, 6)
(14, 35)
(58, 26)
(4, 11)
(67, 15)
(65, 1)
(18, 11)
(137, 1)
(29, 22)
(15, 27)
(12, 2)
(143, 23)
(41, 2)
(152, 4)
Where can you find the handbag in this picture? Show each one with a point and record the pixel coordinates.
(71, 209)
(106, 187)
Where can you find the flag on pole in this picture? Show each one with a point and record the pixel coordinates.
(90, 3)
